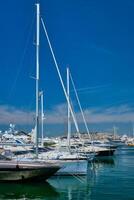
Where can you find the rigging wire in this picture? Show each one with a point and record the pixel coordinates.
(59, 74)
(21, 60)
(82, 113)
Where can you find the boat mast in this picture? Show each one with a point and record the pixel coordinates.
(37, 74)
(42, 118)
(78, 100)
(68, 110)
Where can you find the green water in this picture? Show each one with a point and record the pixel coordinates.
(108, 179)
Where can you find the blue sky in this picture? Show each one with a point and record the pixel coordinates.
(95, 38)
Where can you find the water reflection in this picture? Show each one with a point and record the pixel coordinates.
(72, 187)
(99, 164)
(75, 187)
(126, 151)
(105, 161)
(27, 191)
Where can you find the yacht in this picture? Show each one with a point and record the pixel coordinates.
(29, 169)
(26, 171)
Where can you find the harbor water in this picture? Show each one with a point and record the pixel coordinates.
(108, 179)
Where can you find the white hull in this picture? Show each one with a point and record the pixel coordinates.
(73, 167)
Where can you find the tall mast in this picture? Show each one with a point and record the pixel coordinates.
(68, 110)
(42, 118)
(37, 73)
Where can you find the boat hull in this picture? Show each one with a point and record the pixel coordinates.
(109, 152)
(26, 172)
(73, 167)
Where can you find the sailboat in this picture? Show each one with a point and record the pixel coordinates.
(73, 162)
(29, 169)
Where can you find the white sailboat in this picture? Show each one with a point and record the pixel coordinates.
(30, 169)
(73, 162)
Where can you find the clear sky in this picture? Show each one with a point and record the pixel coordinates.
(94, 38)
